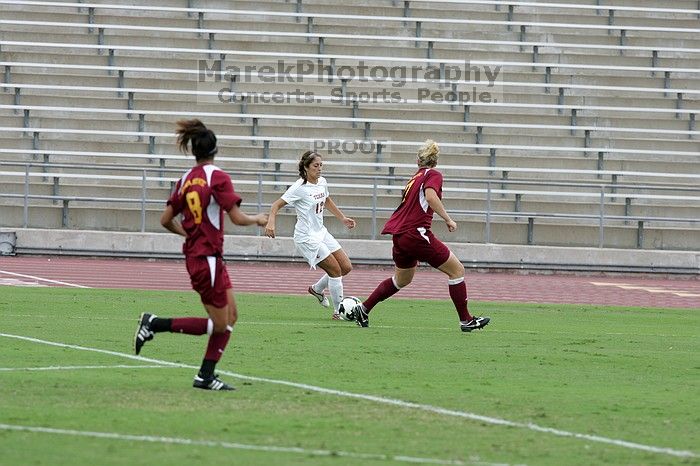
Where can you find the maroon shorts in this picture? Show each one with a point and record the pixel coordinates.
(413, 246)
(210, 279)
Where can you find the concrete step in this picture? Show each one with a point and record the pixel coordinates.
(509, 93)
(332, 130)
(666, 121)
(431, 102)
(482, 12)
(546, 117)
(158, 166)
(153, 164)
(403, 49)
(450, 156)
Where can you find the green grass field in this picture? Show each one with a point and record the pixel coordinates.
(611, 375)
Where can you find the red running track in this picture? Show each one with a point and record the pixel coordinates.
(287, 278)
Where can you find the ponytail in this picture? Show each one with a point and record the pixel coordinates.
(202, 141)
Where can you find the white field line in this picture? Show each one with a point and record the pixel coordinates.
(391, 401)
(71, 317)
(43, 279)
(20, 283)
(239, 446)
(70, 368)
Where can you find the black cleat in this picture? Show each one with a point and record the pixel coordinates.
(360, 315)
(475, 324)
(212, 383)
(143, 331)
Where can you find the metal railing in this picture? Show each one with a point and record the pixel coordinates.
(211, 33)
(254, 139)
(440, 64)
(406, 17)
(372, 187)
(364, 122)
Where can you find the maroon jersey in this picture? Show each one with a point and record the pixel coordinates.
(414, 211)
(202, 196)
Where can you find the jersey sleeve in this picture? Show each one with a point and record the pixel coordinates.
(223, 191)
(291, 196)
(433, 179)
(175, 200)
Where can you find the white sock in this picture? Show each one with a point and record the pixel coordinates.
(335, 285)
(321, 285)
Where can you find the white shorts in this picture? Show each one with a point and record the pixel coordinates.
(315, 251)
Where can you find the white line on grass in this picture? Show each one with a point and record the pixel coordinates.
(239, 446)
(46, 316)
(43, 279)
(70, 368)
(19, 283)
(391, 401)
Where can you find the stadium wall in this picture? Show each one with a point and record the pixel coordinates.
(260, 248)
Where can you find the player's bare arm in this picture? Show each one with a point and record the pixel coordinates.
(167, 219)
(436, 204)
(347, 221)
(270, 227)
(238, 217)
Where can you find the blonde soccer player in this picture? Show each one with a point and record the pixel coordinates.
(413, 241)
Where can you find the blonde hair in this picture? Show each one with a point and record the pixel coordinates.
(428, 154)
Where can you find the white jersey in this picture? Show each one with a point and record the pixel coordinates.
(309, 200)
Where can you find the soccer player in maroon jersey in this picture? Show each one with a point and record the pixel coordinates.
(202, 196)
(409, 226)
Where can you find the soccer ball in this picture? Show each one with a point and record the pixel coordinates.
(346, 306)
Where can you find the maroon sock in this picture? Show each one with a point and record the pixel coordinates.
(384, 290)
(189, 325)
(458, 293)
(217, 345)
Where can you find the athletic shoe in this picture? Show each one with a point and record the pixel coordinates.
(336, 316)
(475, 324)
(143, 331)
(212, 383)
(361, 316)
(322, 300)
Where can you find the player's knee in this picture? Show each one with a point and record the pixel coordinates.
(334, 271)
(346, 268)
(459, 270)
(400, 282)
(220, 327)
(453, 268)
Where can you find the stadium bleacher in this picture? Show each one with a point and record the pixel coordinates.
(592, 142)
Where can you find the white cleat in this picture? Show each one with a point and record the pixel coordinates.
(322, 300)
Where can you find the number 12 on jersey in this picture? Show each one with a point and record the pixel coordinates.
(319, 207)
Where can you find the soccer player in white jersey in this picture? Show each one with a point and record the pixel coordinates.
(309, 196)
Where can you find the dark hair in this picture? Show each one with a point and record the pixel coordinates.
(307, 159)
(202, 140)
